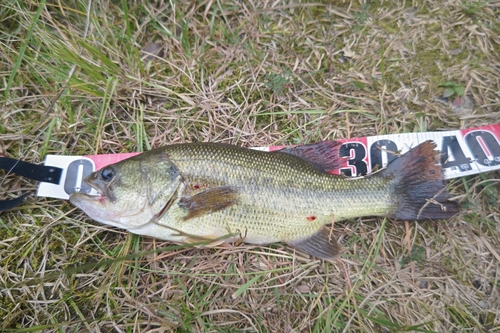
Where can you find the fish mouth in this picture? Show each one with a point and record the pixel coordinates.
(99, 197)
(97, 207)
(96, 194)
(101, 190)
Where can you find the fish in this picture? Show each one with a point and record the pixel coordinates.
(219, 193)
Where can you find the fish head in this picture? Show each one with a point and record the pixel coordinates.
(131, 193)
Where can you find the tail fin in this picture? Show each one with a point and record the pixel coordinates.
(419, 185)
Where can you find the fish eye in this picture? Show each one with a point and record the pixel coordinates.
(107, 174)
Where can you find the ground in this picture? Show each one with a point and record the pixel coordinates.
(75, 79)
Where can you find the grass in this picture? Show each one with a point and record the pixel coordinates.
(252, 74)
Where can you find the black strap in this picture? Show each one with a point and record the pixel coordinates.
(42, 173)
(9, 204)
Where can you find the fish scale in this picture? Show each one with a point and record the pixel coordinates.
(291, 184)
(204, 191)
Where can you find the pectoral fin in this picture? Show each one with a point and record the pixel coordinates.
(209, 201)
(321, 245)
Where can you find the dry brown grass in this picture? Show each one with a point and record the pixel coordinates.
(254, 74)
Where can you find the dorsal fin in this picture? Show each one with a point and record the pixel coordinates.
(324, 155)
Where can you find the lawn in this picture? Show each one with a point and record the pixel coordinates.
(101, 76)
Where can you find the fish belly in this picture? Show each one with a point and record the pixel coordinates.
(242, 222)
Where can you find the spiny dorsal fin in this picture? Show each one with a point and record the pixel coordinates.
(324, 154)
(209, 201)
(321, 244)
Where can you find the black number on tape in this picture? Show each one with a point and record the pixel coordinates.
(482, 143)
(77, 170)
(452, 155)
(382, 149)
(357, 152)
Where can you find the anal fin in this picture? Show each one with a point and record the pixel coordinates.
(320, 244)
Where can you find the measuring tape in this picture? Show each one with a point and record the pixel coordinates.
(463, 152)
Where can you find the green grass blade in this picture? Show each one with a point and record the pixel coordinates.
(22, 50)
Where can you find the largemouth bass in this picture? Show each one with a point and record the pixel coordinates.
(186, 193)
